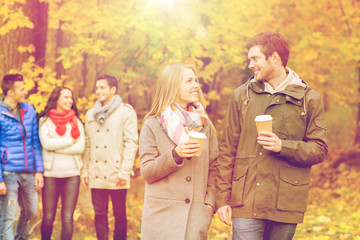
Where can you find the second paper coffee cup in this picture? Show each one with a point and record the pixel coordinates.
(200, 137)
(263, 123)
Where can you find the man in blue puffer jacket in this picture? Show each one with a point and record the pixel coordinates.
(21, 163)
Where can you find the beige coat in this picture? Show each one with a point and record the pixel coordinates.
(175, 195)
(110, 148)
(52, 143)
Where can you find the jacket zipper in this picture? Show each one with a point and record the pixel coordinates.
(34, 158)
(22, 113)
(23, 140)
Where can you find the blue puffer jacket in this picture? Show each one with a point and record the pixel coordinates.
(19, 141)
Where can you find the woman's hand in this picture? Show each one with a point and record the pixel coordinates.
(187, 149)
(85, 182)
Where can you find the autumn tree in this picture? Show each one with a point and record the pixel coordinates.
(14, 29)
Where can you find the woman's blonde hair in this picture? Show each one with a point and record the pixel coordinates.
(167, 88)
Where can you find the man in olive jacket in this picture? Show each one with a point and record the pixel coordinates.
(263, 181)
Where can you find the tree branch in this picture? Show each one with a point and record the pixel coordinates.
(346, 21)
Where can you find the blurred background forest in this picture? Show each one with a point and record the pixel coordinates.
(70, 42)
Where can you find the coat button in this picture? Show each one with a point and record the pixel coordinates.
(187, 201)
(104, 177)
(277, 100)
(254, 214)
(96, 161)
(257, 184)
(188, 178)
(105, 146)
(107, 130)
(96, 146)
(96, 177)
(105, 162)
(296, 182)
(98, 130)
(260, 154)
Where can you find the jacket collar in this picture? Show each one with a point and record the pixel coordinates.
(23, 107)
(292, 90)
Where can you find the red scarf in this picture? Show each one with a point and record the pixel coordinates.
(61, 118)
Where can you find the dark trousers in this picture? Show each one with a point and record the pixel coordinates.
(68, 190)
(100, 200)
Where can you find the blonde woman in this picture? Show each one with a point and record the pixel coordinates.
(179, 186)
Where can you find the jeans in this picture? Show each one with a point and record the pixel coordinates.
(100, 200)
(68, 190)
(258, 229)
(20, 190)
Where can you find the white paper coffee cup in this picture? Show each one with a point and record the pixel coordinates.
(263, 123)
(200, 137)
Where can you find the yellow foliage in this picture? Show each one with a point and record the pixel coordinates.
(90, 238)
(12, 17)
(322, 237)
(323, 219)
(29, 49)
(213, 95)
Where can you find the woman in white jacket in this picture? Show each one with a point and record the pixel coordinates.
(63, 141)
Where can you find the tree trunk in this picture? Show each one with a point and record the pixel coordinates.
(357, 137)
(39, 16)
(84, 74)
(59, 44)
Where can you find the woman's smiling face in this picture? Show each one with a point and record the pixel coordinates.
(65, 100)
(189, 89)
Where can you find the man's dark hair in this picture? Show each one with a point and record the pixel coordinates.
(9, 80)
(270, 42)
(112, 81)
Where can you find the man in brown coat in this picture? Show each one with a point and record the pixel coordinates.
(263, 181)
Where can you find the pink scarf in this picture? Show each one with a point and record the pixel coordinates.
(178, 122)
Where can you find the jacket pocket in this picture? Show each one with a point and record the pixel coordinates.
(238, 185)
(4, 156)
(47, 165)
(79, 161)
(48, 158)
(294, 189)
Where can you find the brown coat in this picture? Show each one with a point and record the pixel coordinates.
(261, 184)
(175, 195)
(110, 148)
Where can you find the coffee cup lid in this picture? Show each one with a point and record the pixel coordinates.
(197, 135)
(263, 118)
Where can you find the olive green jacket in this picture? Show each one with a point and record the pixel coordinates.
(262, 184)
